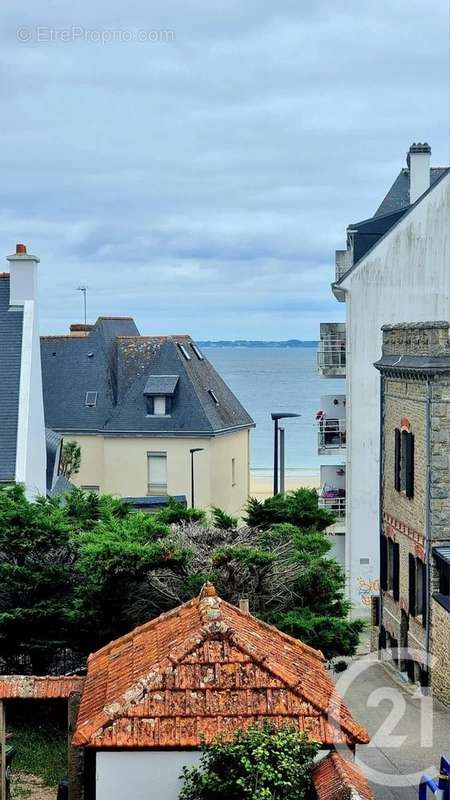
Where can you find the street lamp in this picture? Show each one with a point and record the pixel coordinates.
(192, 451)
(276, 416)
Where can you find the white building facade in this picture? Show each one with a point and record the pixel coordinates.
(396, 268)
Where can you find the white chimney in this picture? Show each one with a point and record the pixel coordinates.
(418, 160)
(23, 276)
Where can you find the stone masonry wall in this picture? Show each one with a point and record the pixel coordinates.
(440, 639)
(404, 519)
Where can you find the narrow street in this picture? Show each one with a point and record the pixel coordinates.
(409, 732)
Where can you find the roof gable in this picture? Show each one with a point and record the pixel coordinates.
(203, 669)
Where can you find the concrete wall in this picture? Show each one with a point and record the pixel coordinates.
(406, 277)
(141, 775)
(118, 465)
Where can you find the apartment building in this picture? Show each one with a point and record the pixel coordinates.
(395, 267)
(413, 614)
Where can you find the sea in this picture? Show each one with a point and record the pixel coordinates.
(270, 379)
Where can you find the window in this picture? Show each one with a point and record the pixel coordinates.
(197, 352)
(157, 474)
(442, 556)
(91, 399)
(159, 406)
(417, 588)
(233, 472)
(214, 396)
(390, 566)
(404, 462)
(184, 351)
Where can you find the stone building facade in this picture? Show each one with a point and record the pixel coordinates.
(412, 618)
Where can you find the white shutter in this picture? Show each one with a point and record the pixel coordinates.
(157, 473)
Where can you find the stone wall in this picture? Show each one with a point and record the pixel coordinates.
(440, 648)
(406, 394)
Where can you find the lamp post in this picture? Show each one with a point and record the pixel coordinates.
(192, 451)
(276, 416)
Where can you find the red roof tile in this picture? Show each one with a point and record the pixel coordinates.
(335, 778)
(206, 668)
(30, 687)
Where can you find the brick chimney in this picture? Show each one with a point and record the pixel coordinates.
(418, 160)
(23, 276)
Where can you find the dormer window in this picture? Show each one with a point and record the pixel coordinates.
(159, 392)
(91, 399)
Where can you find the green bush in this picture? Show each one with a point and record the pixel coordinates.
(261, 763)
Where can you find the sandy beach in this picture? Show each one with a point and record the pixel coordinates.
(261, 481)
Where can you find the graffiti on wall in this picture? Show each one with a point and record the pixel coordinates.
(367, 587)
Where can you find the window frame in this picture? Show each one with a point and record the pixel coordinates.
(156, 489)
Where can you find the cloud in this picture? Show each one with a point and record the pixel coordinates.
(203, 183)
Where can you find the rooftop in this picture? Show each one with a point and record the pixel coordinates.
(203, 669)
(336, 778)
(120, 369)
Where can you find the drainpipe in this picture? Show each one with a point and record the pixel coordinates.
(428, 520)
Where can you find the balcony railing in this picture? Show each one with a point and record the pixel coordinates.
(336, 505)
(332, 356)
(332, 434)
(344, 261)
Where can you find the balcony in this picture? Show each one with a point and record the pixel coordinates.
(332, 495)
(332, 356)
(331, 425)
(344, 262)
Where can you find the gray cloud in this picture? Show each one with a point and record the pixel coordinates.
(202, 184)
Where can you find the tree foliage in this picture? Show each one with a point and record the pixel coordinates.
(299, 507)
(70, 459)
(261, 763)
(78, 571)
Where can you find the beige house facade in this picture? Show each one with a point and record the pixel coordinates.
(413, 617)
(123, 466)
(150, 414)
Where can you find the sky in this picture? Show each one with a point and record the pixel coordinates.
(196, 164)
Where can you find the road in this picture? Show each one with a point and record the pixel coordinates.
(410, 732)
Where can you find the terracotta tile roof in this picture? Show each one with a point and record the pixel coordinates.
(29, 687)
(335, 778)
(202, 669)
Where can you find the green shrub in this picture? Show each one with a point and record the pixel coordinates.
(261, 763)
(222, 520)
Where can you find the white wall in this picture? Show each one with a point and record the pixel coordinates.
(31, 457)
(406, 278)
(141, 775)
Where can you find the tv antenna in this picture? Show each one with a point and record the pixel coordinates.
(84, 290)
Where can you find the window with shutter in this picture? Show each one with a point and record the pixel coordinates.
(397, 460)
(396, 571)
(409, 465)
(424, 595)
(383, 562)
(412, 585)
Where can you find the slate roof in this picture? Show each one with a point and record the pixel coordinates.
(398, 195)
(203, 669)
(117, 363)
(161, 385)
(11, 322)
(52, 444)
(336, 778)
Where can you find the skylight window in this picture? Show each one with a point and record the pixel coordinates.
(91, 399)
(197, 351)
(214, 396)
(183, 350)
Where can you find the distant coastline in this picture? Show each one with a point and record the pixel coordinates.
(257, 343)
